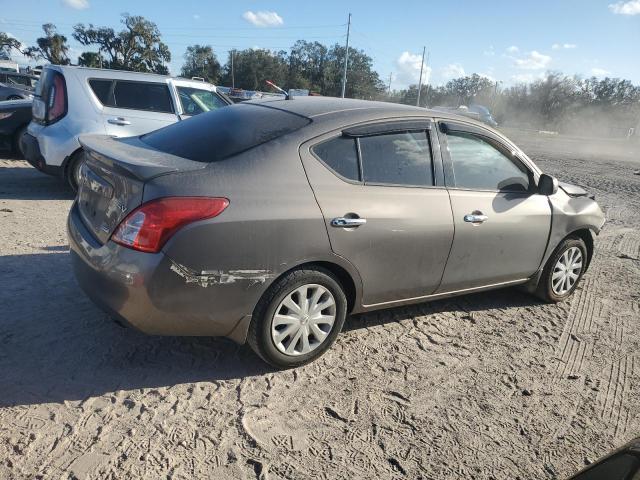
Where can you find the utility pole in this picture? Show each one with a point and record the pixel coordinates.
(390, 77)
(233, 74)
(346, 58)
(420, 82)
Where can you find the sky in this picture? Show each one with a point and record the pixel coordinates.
(507, 41)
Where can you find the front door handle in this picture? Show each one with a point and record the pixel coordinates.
(119, 121)
(348, 222)
(476, 217)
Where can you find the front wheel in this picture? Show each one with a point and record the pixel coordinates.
(17, 146)
(563, 271)
(298, 318)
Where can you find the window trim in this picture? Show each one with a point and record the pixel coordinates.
(446, 126)
(437, 172)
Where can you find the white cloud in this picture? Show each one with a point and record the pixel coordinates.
(490, 52)
(453, 70)
(76, 4)
(533, 61)
(600, 72)
(568, 46)
(263, 19)
(526, 77)
(632, 7)
(513, 49)
(408, 65)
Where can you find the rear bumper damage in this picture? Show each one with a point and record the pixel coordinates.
(143, 290)
(31, 149)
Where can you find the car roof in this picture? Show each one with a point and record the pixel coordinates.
(326, 108)
(107, 72)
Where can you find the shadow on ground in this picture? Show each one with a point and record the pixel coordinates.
(19, 181)
(55, 345)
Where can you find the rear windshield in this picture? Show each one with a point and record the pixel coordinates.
(219, 134)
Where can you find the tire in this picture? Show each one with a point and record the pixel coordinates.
(17, 148)
(548, 289)
(263, 333)
(71, 170)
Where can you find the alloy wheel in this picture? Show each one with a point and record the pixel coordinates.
(567, 271)
(303, 320)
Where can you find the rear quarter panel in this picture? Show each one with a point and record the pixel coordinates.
(272, 224)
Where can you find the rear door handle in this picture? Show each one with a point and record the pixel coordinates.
(476, 217)
(119, 121)
(348, 222)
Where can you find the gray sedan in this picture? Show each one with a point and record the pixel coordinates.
(269, 222)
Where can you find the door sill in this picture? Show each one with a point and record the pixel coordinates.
(451, 293)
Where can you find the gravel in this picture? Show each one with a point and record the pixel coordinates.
(492, 385)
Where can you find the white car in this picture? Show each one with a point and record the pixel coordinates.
(72, 101)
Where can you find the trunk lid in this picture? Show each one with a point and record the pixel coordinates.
(112, 178)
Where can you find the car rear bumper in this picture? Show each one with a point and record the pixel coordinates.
(31, 149)
(142, 291)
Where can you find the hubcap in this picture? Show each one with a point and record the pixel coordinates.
(303, 320)
(566, 271)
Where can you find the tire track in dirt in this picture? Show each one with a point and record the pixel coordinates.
(611, 398)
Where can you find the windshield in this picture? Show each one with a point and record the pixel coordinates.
(195, 100)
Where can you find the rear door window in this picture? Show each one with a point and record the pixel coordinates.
(102, 89)
(397, 159)
(147, 96)
(340, 155)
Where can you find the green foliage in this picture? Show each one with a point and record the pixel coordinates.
(52, 47)
(309, 65)
(253, 67)
(200, 61)
(90, 59)
(138, 47)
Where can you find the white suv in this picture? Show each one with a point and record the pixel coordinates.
(72, 101)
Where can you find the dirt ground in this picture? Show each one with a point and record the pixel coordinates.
(492, 385)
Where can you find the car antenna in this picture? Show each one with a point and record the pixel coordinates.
(286, 94)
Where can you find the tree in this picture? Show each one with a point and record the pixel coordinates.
(465, 89)
(362, 81)
(7, 44)
(253, 67)
(138, 47)
(200, 61)
(90, 59)
(52, 47)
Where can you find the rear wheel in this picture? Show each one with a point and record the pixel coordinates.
(16, 141)
(298, 318)
(563, 270)
(72, 171)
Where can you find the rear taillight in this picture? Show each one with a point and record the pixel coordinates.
(149, 226)
(57, 101)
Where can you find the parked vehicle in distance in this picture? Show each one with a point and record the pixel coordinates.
(476, 112)
(15, 116)
(72, 101)
(484, 115)
(17, 86)
(270, 221)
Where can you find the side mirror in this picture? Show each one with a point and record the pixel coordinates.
(547, 185)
